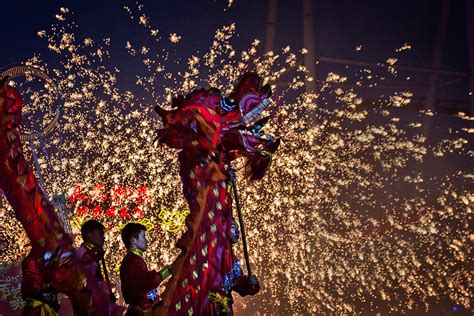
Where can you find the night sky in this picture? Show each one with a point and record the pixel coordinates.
(380, 26)
(340, 26)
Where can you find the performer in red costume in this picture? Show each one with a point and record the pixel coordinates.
(91, 255)
(41, 299)
(91, 251)
(139, 285)
(221, 299)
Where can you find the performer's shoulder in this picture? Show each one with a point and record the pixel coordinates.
(131, 258)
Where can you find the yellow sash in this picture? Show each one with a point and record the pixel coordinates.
(45, 309)
(136, 251)
(217, 298)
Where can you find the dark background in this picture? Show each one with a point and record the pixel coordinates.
(339, 26)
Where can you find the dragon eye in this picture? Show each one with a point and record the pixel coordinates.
(227, 104)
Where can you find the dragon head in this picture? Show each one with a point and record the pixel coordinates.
(205, 120)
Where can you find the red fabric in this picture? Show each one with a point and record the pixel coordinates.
(18, 182)
(249, 83)
(204, 185)
(90, 259)
(242, 285)
(137, 280)
(31, 281)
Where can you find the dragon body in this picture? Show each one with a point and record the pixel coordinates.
(211, 131)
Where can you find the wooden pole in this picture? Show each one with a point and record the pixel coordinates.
(271, 26)
(112, 297)
(470, 45)
(232, 175)
(431, 93)
(308, 42)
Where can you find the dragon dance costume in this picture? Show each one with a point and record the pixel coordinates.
(221, 299)
(211, 130)
(41, 299)
(52, 249)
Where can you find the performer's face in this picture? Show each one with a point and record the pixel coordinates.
(234, 232)
(97, 238)
(141, 242)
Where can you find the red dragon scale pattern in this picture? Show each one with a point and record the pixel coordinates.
(211, 131)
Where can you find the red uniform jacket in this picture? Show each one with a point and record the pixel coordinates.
(137, 281)
(90, 256)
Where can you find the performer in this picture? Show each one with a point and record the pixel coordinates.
(139, 285)
(41, 299)
(92, 251)
(221, 300)
(91, 255)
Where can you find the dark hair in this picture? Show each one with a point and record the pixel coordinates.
(131, 230)
(91, 226)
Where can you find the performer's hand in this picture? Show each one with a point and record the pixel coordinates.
(253, 280)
